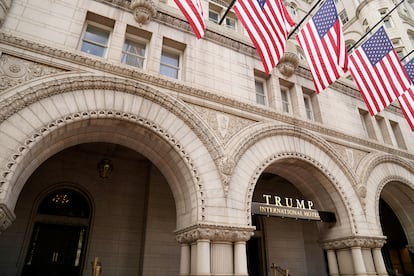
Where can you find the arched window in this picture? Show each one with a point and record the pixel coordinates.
(65, 202)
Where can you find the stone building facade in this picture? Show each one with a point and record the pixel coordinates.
(129, 146)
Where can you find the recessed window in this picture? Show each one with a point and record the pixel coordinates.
(260, 91)
(95, 41)
(343, 16)
(383, 129)
(396, 130)
(286, 105)
(170, 62)
(213, 16)
(133, 53)
(308, 107)
(367, 123)
(96, 35)
(231, 23)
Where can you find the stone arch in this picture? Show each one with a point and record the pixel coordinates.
(42, 118)
(392, 178)
(272, 148)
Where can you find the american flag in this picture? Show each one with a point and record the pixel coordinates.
(378, 72)
(406, 100)
(324, 46)
(193, 12)
(267, 22)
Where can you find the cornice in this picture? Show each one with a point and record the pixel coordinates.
(213, 232)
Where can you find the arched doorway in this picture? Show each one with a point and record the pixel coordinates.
(284, 243)
(129, 227)
(59, 237)
(398, 258)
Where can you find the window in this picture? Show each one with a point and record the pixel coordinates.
(383, 129)
(231, 23)
(134, 49)
(308, 107)
(387, 21)
(213, 16)
(133, 53)
(367, 124)
(343, 16)
(95, 41)
(292, 9)
(170, 62)
(95, 38)
(398, 135)
(286, 106)
(214, 12)
(310, 101)
(260, 91)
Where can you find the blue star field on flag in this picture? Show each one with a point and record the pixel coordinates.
(377, 46)
(409, 67)
(325, 17)
(261, 3)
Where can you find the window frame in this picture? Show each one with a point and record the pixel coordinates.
(307, 101)
(101, 27)
(173, 51)
(137, 40)
(264, 96)
(286, 102)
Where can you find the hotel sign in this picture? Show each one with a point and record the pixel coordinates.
(286, 207)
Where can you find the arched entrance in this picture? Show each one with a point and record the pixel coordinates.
(283, 241)
(128, 225)
(59, 237)
(398, 256)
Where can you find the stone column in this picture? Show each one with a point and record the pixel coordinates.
(358, 260)
(240, 258)
(332, 263)
(203, 257)
(215, 250)
(185, 261)
(379, 262)
(355, 245)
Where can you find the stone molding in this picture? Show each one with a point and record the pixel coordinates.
(212, 232)
(6, 217)
(183, 89)
(373, 160)
(350, 242)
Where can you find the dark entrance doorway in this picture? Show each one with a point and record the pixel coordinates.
(55, 250)
(58, 242)
(398, 259)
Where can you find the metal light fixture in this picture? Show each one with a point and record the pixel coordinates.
(105, 168)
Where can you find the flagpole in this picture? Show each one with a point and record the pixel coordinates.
(227, 11)
(369, 31)
(303, 19)
(407, 55)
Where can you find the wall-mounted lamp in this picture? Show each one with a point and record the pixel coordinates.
(105, 168)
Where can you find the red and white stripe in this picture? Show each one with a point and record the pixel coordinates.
(327, 57)
(380, 84)
(406, 101)
(193, 12)
(268, 28)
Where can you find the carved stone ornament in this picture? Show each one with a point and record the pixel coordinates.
(143, 10)
(214, 233)
(363, 242)
(6, 218)
(289, 61)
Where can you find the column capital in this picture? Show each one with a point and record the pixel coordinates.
(214, 233)
(6, 217)
(356, 241)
